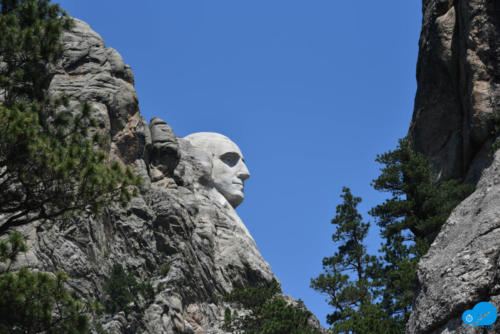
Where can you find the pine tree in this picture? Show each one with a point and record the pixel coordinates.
(123, 290)
(409, 220)
(50, 164)
(36, 302)
(120, 289)
(269, 312)
(351, 278)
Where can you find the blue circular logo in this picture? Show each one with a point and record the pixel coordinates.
(482, 314)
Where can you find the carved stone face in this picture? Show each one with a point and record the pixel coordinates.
(228, 166)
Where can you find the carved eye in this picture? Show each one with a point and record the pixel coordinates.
(230, 158)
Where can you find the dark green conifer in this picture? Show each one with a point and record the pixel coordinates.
(123, 291)
(36, 302)
(410, 219)
(375, 295)
(351, 278)
(50, 164)
(269, 312)
(120, 289)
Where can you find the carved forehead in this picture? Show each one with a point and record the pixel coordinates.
(213, 142)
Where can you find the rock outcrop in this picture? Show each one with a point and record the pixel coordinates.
(456, 111)
(462, 265)
(458, 75)
(180, 234)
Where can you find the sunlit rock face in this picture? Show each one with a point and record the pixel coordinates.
(197, 228)
(183, 217)
(458, 76)
(228, 169)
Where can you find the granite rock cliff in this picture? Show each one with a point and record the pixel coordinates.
(458, 76)
(179, 220)
(456, 110)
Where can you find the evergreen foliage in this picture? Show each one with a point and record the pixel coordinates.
(375, 295)
(165, 269)
(35, 302)
(51, 165)
(123, 291)
(10, 248)
(251, 297)
(29, 44)
(409, 220)
(269, 312)
(351, 275)
(227, 318)
(276, 316)
(418, 203)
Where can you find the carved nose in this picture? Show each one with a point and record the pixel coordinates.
(243, 174)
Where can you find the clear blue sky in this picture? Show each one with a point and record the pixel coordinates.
(311, 91)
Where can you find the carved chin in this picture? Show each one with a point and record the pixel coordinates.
(234, 199)
(232, 192)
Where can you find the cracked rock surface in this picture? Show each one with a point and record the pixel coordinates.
(179, 219)
(462, 265)
(458, 76)
(458, 94)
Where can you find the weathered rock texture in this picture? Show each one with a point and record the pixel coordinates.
(458, 76)
(458, 95)
(179, 219)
